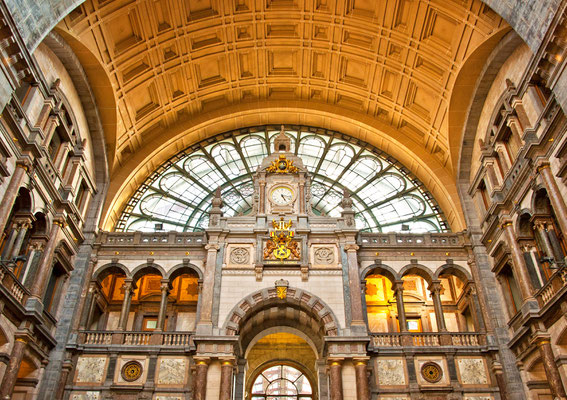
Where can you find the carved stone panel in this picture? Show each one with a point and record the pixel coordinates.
(472, 371)
(324, 255)
(168, 397)
(172, 371)
(477, 397)
(391, 372)
(90, 369)
(239, 255)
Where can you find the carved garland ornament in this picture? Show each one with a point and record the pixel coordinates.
(131, 371)
(431, 372)
(240, 255)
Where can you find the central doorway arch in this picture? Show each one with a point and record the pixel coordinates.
(281, 365)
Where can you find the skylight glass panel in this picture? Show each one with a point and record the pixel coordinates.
(385, 198)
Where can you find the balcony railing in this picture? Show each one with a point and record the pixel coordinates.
(556, 282)
(13, 285)
(433, 339)
(153, 239)
(126, 338)
(413, 240)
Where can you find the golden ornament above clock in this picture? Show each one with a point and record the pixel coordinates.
(282, 166)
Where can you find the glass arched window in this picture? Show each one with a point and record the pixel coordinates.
(281, 382)
(386, 197)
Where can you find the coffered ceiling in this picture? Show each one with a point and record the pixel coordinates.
(168, 62)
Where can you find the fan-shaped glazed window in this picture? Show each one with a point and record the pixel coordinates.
(177, 196)
(281, 382)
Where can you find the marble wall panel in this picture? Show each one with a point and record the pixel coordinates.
(391, 372)
(90, 369)
(85, 396)
(171, 371)
(472, 371)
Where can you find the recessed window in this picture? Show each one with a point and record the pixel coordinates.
(281, 382)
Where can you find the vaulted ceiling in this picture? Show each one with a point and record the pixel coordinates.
(388, 68)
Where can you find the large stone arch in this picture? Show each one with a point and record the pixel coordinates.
(263, 309)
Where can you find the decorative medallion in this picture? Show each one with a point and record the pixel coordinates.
(324, 256)
(282, 166)
(282, 245)
(431, 372)
(240, 255)
(131, 371)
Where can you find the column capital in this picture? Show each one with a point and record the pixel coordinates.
(506, 222)
(164, 287)
(398, 286)
(25, 163)
(202, 360)
(435, 286)
(212, 247)
(542, 164)
(351, 247)
(335, 361)
(361, 360)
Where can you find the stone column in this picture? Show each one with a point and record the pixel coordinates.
(200, 383)
(476, 310)
(89, 307)
(23, 225)
(162, 304)
(357, 317)
(208, 286)
(435, 289)
(551, 370)
(336, 380)
(226, 380)
(128, 290)
(46, 262)
(541, 231)
(65, 370)
(11, 373)
(10, 242)
(398, 288)
(262, 197)
(361, 373)
(555, 197)
(518, 262)
(22, 166)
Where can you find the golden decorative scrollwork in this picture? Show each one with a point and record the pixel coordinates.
(282, 245)
(282, 166)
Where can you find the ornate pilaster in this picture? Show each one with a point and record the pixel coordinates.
(354, 286)
(205, 319)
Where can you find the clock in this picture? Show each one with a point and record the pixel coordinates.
(281, 195)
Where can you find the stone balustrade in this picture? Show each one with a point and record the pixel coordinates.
(13, 285)
(556, 283)
(124, 339)
(427, 339)
(153, 239)
(366, 239)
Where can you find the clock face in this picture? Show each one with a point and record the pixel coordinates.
(281, 196)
